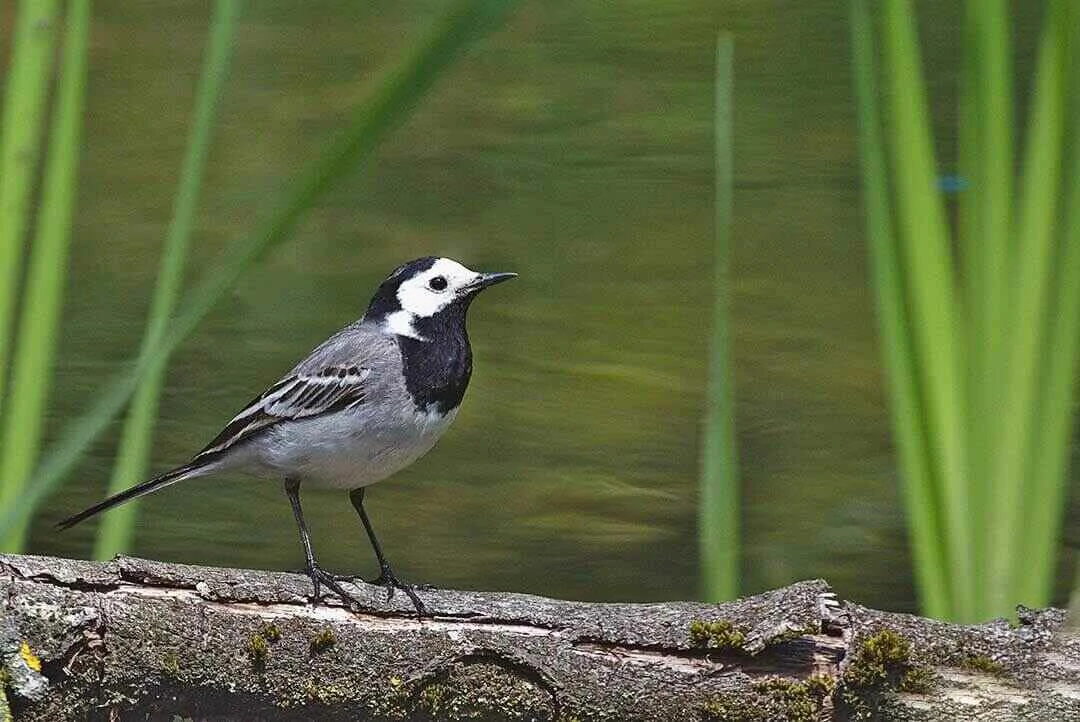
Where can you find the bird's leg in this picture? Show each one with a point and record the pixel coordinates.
(317, 575)
(386, 576)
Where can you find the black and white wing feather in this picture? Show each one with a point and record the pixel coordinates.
(300, 395)
(339, 374)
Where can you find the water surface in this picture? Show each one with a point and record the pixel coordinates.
(574, 147)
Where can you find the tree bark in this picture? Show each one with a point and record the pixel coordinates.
(138, 639)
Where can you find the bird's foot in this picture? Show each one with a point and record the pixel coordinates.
(320, 577)
(388, 579)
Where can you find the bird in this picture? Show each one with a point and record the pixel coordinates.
(366, 403)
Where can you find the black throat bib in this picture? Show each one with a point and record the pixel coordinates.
(437, 370)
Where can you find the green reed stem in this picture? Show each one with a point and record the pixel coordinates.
(1018, 431)
(1047, 476)
(25, 95)
(909, 422)
(718, 521)
(987, 243)
(930, 285)
(31, 377)
(115, 532)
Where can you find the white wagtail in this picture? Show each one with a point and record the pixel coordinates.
(368, 402)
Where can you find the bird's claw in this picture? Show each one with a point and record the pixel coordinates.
(320, 578)
(388, 579)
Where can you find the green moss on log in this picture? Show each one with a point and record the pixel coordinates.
(322, 640)
(883, 663)
(258, 652)
(776, 698)
(170, 664)
(474, 691)
(270, 632)
(718, 634)
(983, 663)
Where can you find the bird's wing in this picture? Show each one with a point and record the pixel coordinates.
(335, 376)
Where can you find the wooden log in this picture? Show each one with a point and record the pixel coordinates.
(139, 639)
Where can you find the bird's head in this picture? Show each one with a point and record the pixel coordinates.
(427, 293)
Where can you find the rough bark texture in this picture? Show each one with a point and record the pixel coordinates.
(138, 639)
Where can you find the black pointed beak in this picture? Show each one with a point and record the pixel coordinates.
(490, 279)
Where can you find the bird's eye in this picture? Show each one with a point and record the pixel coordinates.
(437, 284)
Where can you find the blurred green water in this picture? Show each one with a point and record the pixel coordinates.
(573, 147)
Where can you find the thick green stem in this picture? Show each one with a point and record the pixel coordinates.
(719, 521)
(987, 160)
(27, 91)
(908, 417)
(24, 416)
(1036, 220)
(930, 285)
(1047, 472)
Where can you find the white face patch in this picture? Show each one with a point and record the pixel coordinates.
(430, 291)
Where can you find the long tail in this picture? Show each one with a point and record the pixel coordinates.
(180, 473)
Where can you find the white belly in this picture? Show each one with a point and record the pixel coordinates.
(349, 449)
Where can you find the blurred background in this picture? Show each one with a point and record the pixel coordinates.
(573, 145)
